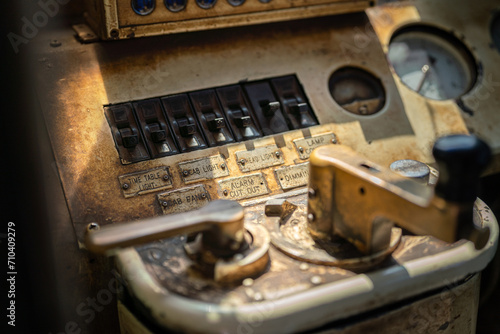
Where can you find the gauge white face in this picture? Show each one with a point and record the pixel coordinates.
(431, 65)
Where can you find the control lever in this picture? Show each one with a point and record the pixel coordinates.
(230, 251)
(359, 201)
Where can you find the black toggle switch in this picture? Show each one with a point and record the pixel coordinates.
(129, 138)
(155, 128)
(211, 118)
(126, 133)
(294, 104)
(187, 128)
(243, 121)
(183, 122)
(269, 108)
(240, 116)
(215, 124)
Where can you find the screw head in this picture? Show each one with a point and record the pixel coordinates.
(225, 192)
(203, 195)
(185, 173)
(125, 186)
(165, 177)
(164, 203)
(242, 161)
(93, 227)
(55, 43)
(223, 166)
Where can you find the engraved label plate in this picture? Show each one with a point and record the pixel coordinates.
(293, 176)
(145, 182)
(203, 169)
(243, 187)
(259, 158)
(305, 146)
(183, 200)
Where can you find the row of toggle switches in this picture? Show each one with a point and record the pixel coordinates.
(191, 121)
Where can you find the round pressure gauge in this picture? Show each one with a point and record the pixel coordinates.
(432, 62)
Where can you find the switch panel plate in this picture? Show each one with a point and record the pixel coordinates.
(295, 106)
(213, 123)
(155, 128)
(238, 113)
(267, 107)
(184, 124)
(126, 133)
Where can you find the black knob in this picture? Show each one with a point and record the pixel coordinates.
(460, 159)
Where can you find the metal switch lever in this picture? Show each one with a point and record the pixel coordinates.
(355, 199)
(221, 223)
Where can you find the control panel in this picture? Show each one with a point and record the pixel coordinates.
(121, 19)
(191, 121)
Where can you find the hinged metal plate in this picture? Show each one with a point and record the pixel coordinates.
(293, 176)
(305, 146)
(259, 158)
(145, 182)
(203, 169)
(243, 187)
(183, 200)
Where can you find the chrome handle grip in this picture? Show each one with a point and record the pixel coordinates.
(221, 221)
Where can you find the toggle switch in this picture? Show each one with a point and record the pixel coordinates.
(128, 139)
(267, 107)
(155, 128)
(184, 126)
(294, 103)
(211, 118)
(239, 115)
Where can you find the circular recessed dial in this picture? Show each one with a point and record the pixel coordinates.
(175, 5)
(357, 91)
(432, 62)
(143, 7)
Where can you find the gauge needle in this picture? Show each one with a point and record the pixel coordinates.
(425, 70)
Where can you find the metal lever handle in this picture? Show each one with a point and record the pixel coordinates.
(358, 200)
(220, 221)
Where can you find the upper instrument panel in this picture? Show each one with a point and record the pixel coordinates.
(120, 19)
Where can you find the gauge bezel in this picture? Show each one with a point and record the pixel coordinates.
(373, 80)
(449, 37)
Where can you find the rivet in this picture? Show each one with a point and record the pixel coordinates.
(277, 153)
(304, 266)
(165, 177)
(257, 296)
(301, 149)
(223, 166)
(164, 203)
(185, 173)
(316, 280)
(125, 186)
(334, 141)
(248, 282)
(55, 43)
(242, 161)
(225, 192)
(310, 217)
(311, 193)
(203, 195)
